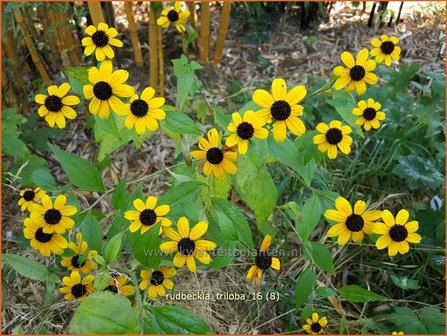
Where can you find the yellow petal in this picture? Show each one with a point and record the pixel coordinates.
(198, 230)
(347, 59)
(343, 206)
(263, 98)
(183, 227)
(402, 216)
(279, 89)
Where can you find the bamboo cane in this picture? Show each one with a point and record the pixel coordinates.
(33, 52)
(11, 53)
(68, 40)
(192, 11)
(153, 47)
(223, 29)
(96, 13)
(133, 34)
(46, 24)
(161, 75)
(204, 40)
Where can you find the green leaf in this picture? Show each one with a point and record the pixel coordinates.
(101, 281)
(11, 143)
(221, 118)
(104, 313)
(320, 256)
(91, 232)
(146, 248)
(232, 222)
(181, 123)
(304, 286)
(80, 172)
(343, 103)
(325, 291)
(419, 172)
(78, 77)
(356, 293)
(119, 195)
(223, 256)
(310, 214)
(181, 192)
(113, 247)
(186, 82)
(41, 136)
(175, 320)
(43, 179)
(29, 268)
(251, 186)
(433, 319)
(405, 283)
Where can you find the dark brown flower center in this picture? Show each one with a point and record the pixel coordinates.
(398, 233)
(280, 110)
(387, 47)
(148, 217)
(78, 290)
(369, 113)
(53, 103)
(157, 278)
(139, 108)
(173, 15)
(102, 90)
(52, 216)
(112, 288)
(263, 260)
(100, 38)
(357, 72)
(315, 327)
(186, 246)
(214, 155)
(245, 130)
(355, 223)
(334, 136)
(75, 262)
(42, 237)
(28, 195)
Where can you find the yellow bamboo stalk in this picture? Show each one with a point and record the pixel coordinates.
(33, 52)
(223, 29)
(8, 92)
(161, 75)
(42, 13)
(153, 50)
(9, 47)
(204, 39)
(96, 13)
(192, 11)
(133, 34)
(70, 46)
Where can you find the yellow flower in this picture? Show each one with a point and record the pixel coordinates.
(315, 325)
(100, 41)
(107, 86)
(351, 223)
(385, 49)
(187, 244)
(218, 161)
(157, 280)
(45, 243)
(143, 112)
(370, 114)
(356, 74)
(175, 15)
(333, 136)
(76, 287)
(28, 197)
(263, 261)
(117, 284)
(56, 106)
(398, 333)
(53, 218)
(72, 263)
(282, 107)
(147, 215)
(244, 129)
(396, 234)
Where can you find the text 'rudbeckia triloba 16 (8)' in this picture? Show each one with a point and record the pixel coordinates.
(282, 108)
(217, 160)
(385, 49)
(397, 232)
(187, 244)
(333, 136)
(143, 112)
(100, 41)
(106, 89)
(369, 114)
(175, 15)
(356, 73)
(56, 106)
